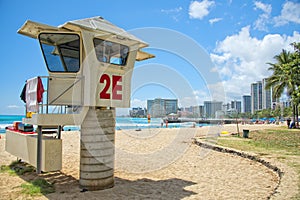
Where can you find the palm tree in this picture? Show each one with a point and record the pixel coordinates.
(295, 65)
(280, 79)
(283, 77)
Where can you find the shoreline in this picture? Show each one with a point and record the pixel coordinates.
(128, 123)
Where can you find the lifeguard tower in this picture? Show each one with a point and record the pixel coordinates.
(90, 63)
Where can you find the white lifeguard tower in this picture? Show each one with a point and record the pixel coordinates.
(90, 63)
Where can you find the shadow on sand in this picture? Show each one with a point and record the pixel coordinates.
(67, 187)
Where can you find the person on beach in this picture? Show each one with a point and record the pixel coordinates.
(288, 121)
(292, 125)
(194, 125)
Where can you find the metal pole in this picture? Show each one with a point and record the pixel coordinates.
(47, 103)
(59, 132)
(39, 151)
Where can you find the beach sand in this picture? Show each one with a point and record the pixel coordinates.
(157, 164)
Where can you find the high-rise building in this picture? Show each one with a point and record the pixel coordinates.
(201, 111)
(256, 96)
(237, 106)
(198, 111)
(226, 107)
(162, 107)
(211, 107)
(171, 106)
(266, 95)
(246, 103)
(137, 112)
(261, 98)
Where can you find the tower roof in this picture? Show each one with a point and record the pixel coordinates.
(96, 25)
(99, 24)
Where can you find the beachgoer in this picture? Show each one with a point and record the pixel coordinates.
(292, 125)
(288, 121)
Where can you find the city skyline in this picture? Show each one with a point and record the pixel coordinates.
(260, 98)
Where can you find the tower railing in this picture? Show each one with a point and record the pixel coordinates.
(46, 107)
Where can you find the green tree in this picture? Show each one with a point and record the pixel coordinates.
(258, 114)
(267, 113)
(286, 76)
(287, 111)
(276, 112)
(246, 115)
(281, 77)
(295, 66)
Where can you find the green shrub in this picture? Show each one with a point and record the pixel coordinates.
(37, 187)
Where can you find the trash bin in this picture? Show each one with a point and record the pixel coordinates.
(245, 133)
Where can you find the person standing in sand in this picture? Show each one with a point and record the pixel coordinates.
(288, 121)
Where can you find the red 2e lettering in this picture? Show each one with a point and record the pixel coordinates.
(116, 87)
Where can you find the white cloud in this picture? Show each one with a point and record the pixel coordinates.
(241, 59)
(138, 103)
(14, 107)
(290, 13)
(188, 101)
(261, 23)
(214, 20)
(173, 10)
(198, 10)
(267, 8)
(198, 97)
(264, 18)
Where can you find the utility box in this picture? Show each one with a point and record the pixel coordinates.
(24, 146)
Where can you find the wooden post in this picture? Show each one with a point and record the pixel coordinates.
(237, 124)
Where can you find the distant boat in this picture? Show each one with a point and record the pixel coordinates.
(172, 118)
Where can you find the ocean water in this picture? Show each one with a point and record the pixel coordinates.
(121, 123)
(142, 123)
(8, 120)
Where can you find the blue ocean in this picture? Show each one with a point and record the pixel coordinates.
(121, 123)
(8, 120)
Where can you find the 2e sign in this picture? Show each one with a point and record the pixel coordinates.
(115, 81)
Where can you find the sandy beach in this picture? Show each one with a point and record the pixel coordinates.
(157, 164)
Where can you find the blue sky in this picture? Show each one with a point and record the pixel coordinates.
(239, 37)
